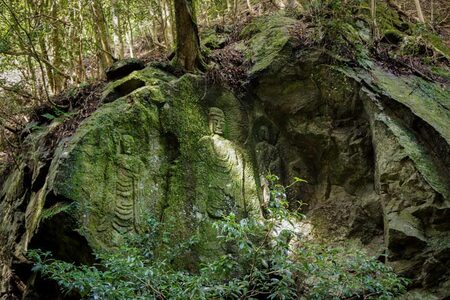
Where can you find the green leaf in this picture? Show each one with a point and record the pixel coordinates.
(48, 116)
(298, 179)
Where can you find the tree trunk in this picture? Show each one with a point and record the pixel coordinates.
(34, 82)
(78, 42)
(419, 11)
(58, 83)
(116, 31)
(102, 36)
(235, 10)
(172, 24)
(373, 12)
(432, 13)
(154, 26)
(163, 19)
(228, 7)
(168, 24)
(188, 42)
(130, 36)
(249, 5)
(48, 69)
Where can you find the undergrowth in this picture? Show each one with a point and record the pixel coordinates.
(265, 260)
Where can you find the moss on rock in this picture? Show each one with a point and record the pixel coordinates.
(114, 166)
(197, 185)
(427, 100)
(267, 37)
(141, 156)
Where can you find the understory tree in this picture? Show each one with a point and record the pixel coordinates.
(188, 53)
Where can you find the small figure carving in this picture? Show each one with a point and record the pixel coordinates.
(267, 155)
(231, 182)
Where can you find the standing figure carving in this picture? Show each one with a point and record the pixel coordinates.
(267, 154)
(230, 182)
(124, 205)
(126, 209)
(268, 159)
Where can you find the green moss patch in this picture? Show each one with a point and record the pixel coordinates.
(267, 37)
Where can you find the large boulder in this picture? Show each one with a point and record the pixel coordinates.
(163, 150)
(373, 146)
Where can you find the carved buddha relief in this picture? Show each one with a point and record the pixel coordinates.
(125, 214)
(231, 181)
(267, 157)
(267, 154)
(125, 204)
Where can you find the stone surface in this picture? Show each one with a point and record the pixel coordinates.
(113, 167)
(123, 67)
(373, 148)
(155, 151)
(268, 39)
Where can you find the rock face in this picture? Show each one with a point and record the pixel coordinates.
(122, 68)
(163, 150)
(373, 147)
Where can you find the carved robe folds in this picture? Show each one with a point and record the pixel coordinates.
(231, 185)
(227, 178)
(124, 203)
(126, 206)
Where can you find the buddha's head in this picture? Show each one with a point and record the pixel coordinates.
(216, 119)
(263, 133)
(127, 142)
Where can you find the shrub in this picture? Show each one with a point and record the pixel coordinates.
(266, 260)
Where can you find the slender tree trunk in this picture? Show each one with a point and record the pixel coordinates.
(121, 38)
(48, 70)
(81, 72)
(249, 5)
(168, 20)
(235, 9)
(373, 13)
(188, 42)
(173, 26)
(58, 80)
(163, 19)
(153, 28)
(36, 87)
(45, 72)
(432, 13)
(116, 30)
(35, 55)
(130, 36)
(71, 58)
(228, 6)
(419, 11)
(32, 72)
(101, 33)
